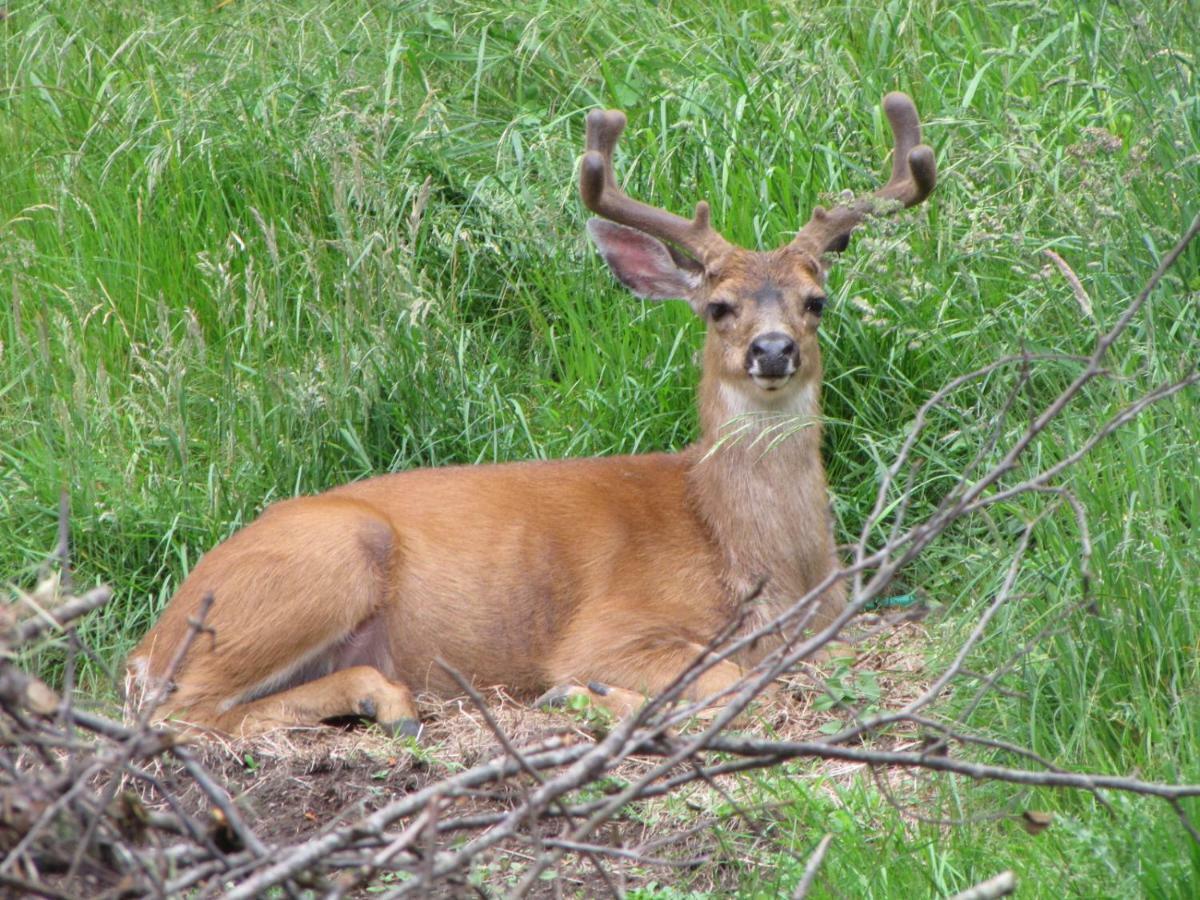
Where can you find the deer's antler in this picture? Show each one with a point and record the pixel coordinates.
(914, 174)
(603, 196)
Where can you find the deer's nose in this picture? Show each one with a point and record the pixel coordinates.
(772, 355)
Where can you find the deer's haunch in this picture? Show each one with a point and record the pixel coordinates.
(552, 575)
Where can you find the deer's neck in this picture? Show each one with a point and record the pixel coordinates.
(759, 484)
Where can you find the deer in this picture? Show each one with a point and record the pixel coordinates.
(606, 577)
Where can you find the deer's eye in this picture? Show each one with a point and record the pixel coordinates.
(815, 305)
(720, 311)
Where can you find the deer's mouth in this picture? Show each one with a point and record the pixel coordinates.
(770, 382)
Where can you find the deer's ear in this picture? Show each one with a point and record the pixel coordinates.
(644, 264)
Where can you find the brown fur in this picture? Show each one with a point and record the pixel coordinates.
(526, 575)
(542, 574)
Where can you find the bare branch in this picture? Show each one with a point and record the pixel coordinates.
(811, 868)
(1000, 886)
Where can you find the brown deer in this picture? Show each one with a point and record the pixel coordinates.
(606, 576)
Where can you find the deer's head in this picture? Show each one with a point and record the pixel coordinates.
(762, 308)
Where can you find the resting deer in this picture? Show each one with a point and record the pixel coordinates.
(608, 576)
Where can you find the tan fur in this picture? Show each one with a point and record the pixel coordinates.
(542, 574)
(526, 575)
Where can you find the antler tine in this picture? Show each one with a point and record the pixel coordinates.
(914, 176)
(914, 169)
(602, 195)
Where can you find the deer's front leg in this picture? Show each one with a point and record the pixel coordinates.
(625, 677)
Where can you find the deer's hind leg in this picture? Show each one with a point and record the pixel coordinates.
(359, 691)
(298, 628)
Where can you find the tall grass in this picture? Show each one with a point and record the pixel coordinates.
(256, 249)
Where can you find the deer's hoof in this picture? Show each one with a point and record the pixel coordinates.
(405, 727)
(555, 698)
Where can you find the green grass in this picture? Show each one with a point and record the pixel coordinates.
(258, 250)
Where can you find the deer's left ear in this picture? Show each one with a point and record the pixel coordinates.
(644, 264)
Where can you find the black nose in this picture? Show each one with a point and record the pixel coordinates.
(772, 355)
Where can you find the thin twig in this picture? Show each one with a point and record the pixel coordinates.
(999, 886)
(811, 868)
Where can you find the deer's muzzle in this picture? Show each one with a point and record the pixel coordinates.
(772, 356)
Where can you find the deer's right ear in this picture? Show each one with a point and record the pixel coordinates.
(644, 264)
